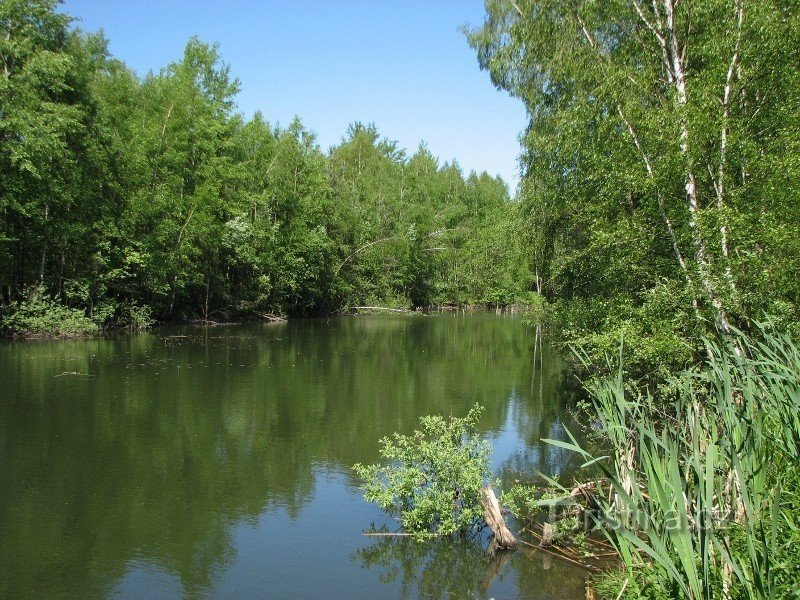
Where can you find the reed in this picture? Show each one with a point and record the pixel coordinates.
(694, 506)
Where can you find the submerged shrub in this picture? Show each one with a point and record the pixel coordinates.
(434, 476)
(41, 315)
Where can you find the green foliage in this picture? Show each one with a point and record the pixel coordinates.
(41, 315)
(703, 489)
(660, 164)
(118, 191)
(434, 476)
(522, 500)
(526, 501)
(135, 317)
(658, 342)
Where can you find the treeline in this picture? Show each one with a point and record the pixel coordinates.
(124, 197)
(662, 164)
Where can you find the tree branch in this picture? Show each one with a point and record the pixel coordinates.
(361, 249)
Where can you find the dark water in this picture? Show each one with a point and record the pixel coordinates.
(216, 462)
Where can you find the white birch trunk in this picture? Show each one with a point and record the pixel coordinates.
(690, 181)
(723, 143)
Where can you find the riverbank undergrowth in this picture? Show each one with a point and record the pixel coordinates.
(700, 490)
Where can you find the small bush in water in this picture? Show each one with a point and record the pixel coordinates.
(434, 476)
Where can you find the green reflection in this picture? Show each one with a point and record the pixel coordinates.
(446, 568)
(146, 449)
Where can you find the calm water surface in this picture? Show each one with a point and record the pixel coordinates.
(215, 462)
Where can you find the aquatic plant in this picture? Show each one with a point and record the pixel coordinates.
(433, 477)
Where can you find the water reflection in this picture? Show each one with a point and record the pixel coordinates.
(462, 569)
(434, 568)
(174, 461)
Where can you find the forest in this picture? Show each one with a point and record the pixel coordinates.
(128, 199)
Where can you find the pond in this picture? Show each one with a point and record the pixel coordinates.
(215, 462)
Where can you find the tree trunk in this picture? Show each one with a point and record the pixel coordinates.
(503, 538)
(44, 244)
(701, 253)
(723, 149)
(205, 304)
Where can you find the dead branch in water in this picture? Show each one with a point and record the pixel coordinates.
(398, 310)
(272, 318)
(503, 538)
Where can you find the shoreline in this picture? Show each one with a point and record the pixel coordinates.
(270, 318)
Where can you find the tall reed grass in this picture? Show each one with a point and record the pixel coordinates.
(702, 497)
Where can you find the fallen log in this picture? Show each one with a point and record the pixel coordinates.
(404, 311)
(272, 318)
(503, 538)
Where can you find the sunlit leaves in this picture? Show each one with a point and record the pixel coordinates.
(433, 477)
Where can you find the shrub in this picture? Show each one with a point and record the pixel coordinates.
(135, 317)
(661, 338)
(40, 315)
(434, 477)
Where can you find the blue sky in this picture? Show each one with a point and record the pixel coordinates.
(401, 64)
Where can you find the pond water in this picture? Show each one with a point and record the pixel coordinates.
(215, 462)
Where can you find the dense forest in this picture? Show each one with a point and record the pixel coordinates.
(125, 198)
(658, 198)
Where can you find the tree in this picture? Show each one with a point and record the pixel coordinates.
(653, 127)
(40, 131)
(187, 192)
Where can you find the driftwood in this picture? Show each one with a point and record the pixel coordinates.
(272, 318)
(76, 374)
(503, 538)
(585, 490)
(547, 535)
(405, 311)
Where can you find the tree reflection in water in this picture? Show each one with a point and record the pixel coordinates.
(460, 568)
(151, 461)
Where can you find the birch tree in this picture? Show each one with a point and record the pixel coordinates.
(656, 128)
